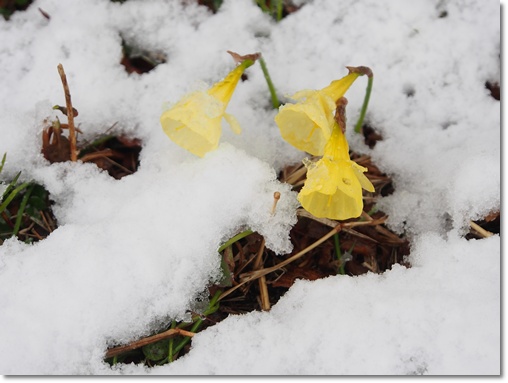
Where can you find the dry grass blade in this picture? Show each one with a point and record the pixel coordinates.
(296, 176)
(151, 339)
(480, 230)
(70, 114)
(259, 273)
(263, 288)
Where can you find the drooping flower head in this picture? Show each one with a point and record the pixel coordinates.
(333, 188)
(195, 122)
(307, 125)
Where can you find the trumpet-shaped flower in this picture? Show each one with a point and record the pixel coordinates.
(307, 124)
(195, 122)
(333, 188)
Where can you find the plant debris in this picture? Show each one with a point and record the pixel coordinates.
(117, 154)
(495, 90)
(486, 227)
(256, 278)
(8, 7)
(371, 136)
(28, 215)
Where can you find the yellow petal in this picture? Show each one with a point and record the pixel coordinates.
(303, 94)
(233, 123)
(223, 90)
(338, 88)
(333, 188)
(337, 147)
(307, 124)
(332, 191)
(364, 181)
(194, 123)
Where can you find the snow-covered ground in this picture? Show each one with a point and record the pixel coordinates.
(133, 252)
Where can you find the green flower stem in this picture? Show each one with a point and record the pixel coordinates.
(237, 237)
(212, 307)
(273, 93)
(359, 124)
(21, 209)
(338, 253)
(171, 353)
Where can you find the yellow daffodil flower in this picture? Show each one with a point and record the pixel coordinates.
(195, 122)
(333, 188)
(307, 124)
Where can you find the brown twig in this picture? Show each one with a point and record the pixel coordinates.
(46, 226)
(480, 230)
(259, 273)
(263, 288)
(70, 114)
(143, 342)
(296, 175)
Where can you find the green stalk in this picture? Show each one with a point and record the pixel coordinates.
(171, 353)
(212, 307)
(3, 162)
(11, 196)
(237, 237)
(263, 6)
(338, 253)
(21, 209)
(279, 10)
(359, 124)
(273, 93)
(11, 185)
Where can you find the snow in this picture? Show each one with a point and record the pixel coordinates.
(132, 253)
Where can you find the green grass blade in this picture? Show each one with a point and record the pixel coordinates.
(3, 162)
(21, 209)
(279, 10)
(262, 4)
(237, 237)
(212, 307)
(11, 196)
(11, 186)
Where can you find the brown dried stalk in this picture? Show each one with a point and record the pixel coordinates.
(263, 288)
(151, 339)
(259, 273)
(70, 114)
(480, 230)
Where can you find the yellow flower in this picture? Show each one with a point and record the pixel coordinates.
(195, 122)
(333, 188)
(307, 124)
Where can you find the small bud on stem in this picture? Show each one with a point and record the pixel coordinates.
(276, 198)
